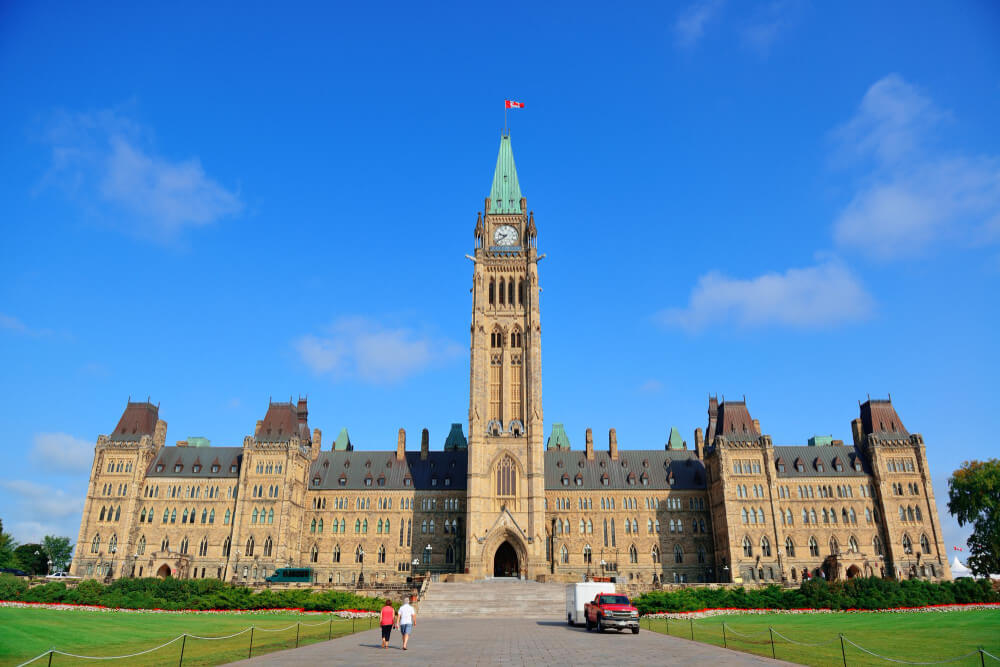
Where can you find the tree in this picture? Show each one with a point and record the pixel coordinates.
(7, 546)
(59, 551)
(974, 498)
(31, 558)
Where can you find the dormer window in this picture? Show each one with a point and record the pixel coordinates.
(316, 481)
(159, 467)
(837, 465)
(196, 468)
(343, 480)
(857, 465)
(780, 465)
(215, 467)
(407, 481)
(604, 479)
(368, 481)
(381, 481)
(178, 467)
(447, 480)
(565, 479)
(232, 468)
(644, 479)
(579, 480)
(799, 466)
(434, 481)
(819, 465)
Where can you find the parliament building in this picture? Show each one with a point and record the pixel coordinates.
(504, 500)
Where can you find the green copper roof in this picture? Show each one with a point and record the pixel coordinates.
(343, 442)
(505, 195)
(675, 441)
(558, 438)
(820, 440)
(198, 441)
(456, 439)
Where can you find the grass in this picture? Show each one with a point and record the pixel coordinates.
(918, 637)
(25, 633)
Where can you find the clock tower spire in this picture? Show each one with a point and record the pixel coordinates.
(506, 463)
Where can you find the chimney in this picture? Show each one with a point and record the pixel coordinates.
(160, 433)
(317, 438)
(756, 426)
(856, 431)
(302, 411)
(401, 445)
(182, 443)
(699, 444)
(590, 445)
(613, 444)
(425, 444)
(256, 429)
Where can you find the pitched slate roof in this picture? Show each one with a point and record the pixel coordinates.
(188, 457)
(358, 465)
(281, 423)
(139, 419)
(658, 464)
(343, 441)
(675, 441)
(505, 193)
(456, 439)
(557, 438)
(826, 454)
(878, 416)
(735, 421)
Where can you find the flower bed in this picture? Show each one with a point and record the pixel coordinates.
(66, 606)
(705, 613)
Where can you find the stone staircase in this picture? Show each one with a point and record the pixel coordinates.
(498, 598)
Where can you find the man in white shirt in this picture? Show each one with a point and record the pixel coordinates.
(407, 619)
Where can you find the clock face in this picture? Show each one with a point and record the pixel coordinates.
(505, 235)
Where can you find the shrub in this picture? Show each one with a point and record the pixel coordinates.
(11, 587)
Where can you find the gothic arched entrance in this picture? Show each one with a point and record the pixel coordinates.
(163, 572)
(505, 563)
(853, 571)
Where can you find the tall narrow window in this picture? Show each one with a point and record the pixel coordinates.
(520, 292)
(503, 292)
(506, 477)
(493, 288)
(510, 291)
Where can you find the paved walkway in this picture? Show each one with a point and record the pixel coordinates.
(508, 642)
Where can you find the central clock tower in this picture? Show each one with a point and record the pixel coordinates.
(506, 486)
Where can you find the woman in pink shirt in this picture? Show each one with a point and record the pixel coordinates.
(388, 621)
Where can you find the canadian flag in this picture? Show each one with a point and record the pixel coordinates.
(958, 548)
(511, 104)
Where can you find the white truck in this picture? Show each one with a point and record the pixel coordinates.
(578, 595)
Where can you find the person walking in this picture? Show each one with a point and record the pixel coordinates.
(407, 619)
(387, 621)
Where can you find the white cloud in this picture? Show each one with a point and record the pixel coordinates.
(14, 324)
(817, 297)
(768, 23)
(650, 387)
(38, 502)
(357, 347)
(910, 194)
(63, 452)
(690, 25)
(106, 160)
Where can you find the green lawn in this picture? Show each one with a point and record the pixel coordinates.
(25, 633)
(918, 637)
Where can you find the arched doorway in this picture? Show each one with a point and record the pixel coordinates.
(505, 562)
(163, 572)
(853, 571)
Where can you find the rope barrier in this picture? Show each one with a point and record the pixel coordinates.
(792, 641)
(157, 648)
(989, 654)
(756, 634)
(908, 662)
(241, 632)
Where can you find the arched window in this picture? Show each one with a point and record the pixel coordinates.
(253, 517)
(357, 525)
(312, 526)
(211, 516)
(765, 547)
(907, 545)
(184, 545)
(813, 547)
(226, 546)
(142, 517)
(503, 292)
(834, 546)
(760, 515)
(314, 554)
(743, 515)
(701, 554)
(493, 287)
(852, 545)
(203, 547)
(520, 292)
(925, 545)
(812, 516)
(506, 477)
(656, 555)
(141, 549)
(633, 555)
(564, 554)
(635, 526)
(336, 554)
(877, 545)
(916, 511)
(95, 544)
(678, 554)
(805, 516)
(587, 553)
(225, 519)
(909, 513)
(359, 555)
(789, 547)
(249, 551)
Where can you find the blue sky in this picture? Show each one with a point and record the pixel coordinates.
(796, 202)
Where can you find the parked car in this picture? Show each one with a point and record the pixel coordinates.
(611, 611)
(578, 595)
(61, 576)
(14, 571)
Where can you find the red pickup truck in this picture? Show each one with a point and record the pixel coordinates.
(610, 610)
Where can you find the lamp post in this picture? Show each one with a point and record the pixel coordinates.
(111, 568)
(604, 568)
(427, 558)
(725, 573)
(361, 562)
(236, 566)
(415, 564)
(48, 570)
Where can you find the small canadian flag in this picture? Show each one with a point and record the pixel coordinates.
(511, 104)
(957, 548)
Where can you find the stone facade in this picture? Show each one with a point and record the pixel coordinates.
(503, 502)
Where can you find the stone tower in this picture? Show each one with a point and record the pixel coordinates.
(506, 489)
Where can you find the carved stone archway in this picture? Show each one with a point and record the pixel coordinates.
(505, 561)
(500, 536)
(164, 572)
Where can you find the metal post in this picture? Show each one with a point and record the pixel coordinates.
(771, 630)
(724, 644)
(329, 635)
(184, 639)
(250, 653)
(353, 621)
(668, 625)
(51, 652)
(297, 628)
(691, 621)
(982, 658)
(843, 653)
